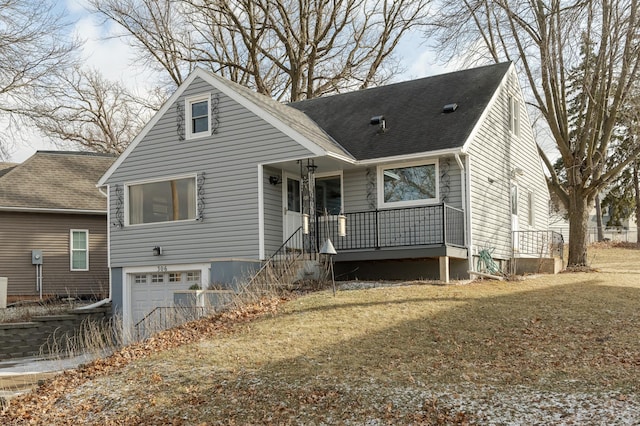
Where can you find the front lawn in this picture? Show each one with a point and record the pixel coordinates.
(418, 354)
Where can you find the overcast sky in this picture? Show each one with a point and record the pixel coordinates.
(114, 59)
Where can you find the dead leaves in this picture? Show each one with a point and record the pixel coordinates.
(37, 407)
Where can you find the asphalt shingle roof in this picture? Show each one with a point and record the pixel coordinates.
(56, 180)
(413, 112)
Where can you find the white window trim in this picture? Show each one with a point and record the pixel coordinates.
(163, 179)
(71, 250)
(333, 174)
(380, 185)
(514, 115)
(188, 134)
(531, 201)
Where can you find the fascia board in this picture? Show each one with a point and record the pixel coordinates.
(219, 84)
(489, 107)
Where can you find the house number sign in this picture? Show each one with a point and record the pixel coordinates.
(162, 268)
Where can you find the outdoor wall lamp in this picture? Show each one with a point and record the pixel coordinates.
(275, 180)
(157, 251)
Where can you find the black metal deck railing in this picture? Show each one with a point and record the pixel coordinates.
(415, 226)
(541, 244)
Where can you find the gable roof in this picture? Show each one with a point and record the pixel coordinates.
(413, 112)
(293, 123)
(56, 180)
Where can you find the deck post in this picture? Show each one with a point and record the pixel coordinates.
(444, 268)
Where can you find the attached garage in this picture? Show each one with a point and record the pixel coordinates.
(152, 293)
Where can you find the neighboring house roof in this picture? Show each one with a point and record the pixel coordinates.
(56, 180)
(413, 112)
(6, 168)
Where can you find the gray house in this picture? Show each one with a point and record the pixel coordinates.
(412, 179)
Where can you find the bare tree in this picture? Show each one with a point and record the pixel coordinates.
(91, 112)
(34, 52)
(549, 40)
(282, 48)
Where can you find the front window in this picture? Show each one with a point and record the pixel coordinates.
(411, 184)
(198, 123)
(329, 195)
(164, 201)
(79, 250)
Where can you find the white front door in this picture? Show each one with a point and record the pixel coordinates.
(292, 201)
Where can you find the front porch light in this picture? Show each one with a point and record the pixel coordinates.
(342, 225)
(305, 224)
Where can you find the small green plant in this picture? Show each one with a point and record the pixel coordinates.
(195, 287)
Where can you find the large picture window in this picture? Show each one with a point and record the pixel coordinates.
(79, 244)
(163, 201)
(407, 184)
(198, 117)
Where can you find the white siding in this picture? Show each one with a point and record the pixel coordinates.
(494, 153)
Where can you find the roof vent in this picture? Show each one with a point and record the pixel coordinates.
(449, 108)
(380, 121)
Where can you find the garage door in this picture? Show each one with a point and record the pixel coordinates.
(153, 290)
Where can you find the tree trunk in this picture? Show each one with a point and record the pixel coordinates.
(578, 229)
(599, 218)
(636, 185)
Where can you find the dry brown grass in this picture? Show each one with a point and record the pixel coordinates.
(380, 353)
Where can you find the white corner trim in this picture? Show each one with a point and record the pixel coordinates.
(261, 250)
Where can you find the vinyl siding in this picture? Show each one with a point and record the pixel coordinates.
(22, 232)
(494, 153)
(229, 160)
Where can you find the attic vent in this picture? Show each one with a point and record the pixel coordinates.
(380, 121)
(449, 108)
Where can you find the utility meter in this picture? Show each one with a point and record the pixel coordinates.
(36, 257)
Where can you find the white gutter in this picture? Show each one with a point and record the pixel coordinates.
(45, 210)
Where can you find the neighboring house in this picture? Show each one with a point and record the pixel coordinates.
(53, 226)
(428, 173)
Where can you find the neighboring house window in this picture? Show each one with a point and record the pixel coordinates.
(79, 250)
(198, 116)
(329, 195)
(514, 116)
(408, 184)
(531, 203)
(163, 201)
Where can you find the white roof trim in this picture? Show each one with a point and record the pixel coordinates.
(219, 84)
(488, 107)
(45, 210)
(407, 157)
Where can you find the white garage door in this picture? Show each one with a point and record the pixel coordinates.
(153, 290)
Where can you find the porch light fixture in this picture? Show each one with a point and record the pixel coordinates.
(275, 180)
(378, 120)
(157, 251)
(517, 171)
(305, 224)
(342, 225)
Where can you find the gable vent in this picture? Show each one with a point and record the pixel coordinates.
(449, 108)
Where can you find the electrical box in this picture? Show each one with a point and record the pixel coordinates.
(36, 257)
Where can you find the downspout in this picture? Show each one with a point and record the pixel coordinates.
(108, 299)
(465, 183)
